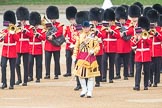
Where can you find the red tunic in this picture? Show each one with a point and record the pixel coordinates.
(69, 34)
(48, 45)
(22, 45)
(100, 36)
(35, 43)
(9, 45)
(110, 41)
(156, 44)
(143, 52)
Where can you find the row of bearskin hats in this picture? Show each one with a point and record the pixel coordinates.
(34, 18)
(95, 14)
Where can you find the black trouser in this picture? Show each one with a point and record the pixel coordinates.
(146, 68)
(68, 61)
(77, 78)
(125, 57)
(111, 65)
(56, 55)
(160, 69)
(131, 62)
(155, 70)
(38, 59)
(12, 62)
(99, 61)
(25, 65)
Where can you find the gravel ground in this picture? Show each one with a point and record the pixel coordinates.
(60, 94)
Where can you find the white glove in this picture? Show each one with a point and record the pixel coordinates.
(99, 40)
(67, 40)
(71, 46)
(74, 59)
(91, 52)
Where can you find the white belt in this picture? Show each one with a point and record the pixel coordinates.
(9, 44)
(134, 47)
(35, 43)
(109, 39)
(156, 43)
(142, 49)
(23, 39)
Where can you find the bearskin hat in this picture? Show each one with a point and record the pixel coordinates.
(9, 16)
(160, 20)
(96, 14)
(152, 15)
(126, 7)
(144, 23)
(81, 16)
(140, 5)
(52, 12)
(134, 11)
(113, 8)
(35, 18)
(157, 7)
(146, 10)
(70, 12)
(120, 13)
(22, 13)
(109, 15)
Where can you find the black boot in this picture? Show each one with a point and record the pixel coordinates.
(77, 88)
(18, 75)
(4, 86)
(18, 82)
(11, 87)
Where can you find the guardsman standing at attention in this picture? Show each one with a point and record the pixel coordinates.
(70, 38)
(35, 45)
(22, 46)
(52, 13)
(9, 38)
(143, 54)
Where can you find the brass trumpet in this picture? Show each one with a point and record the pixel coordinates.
(152, 31)
(145, 35)
(13, 29)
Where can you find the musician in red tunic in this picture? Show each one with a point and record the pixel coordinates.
(22, 46)
(35, 45)
(70, 34)
(110, 44)
(143, 52)
(9, 38)
(123, 42)
(95, 16)
(134, 12)
(52, 13)
(156, 37)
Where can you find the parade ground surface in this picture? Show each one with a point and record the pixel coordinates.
(60, 94)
